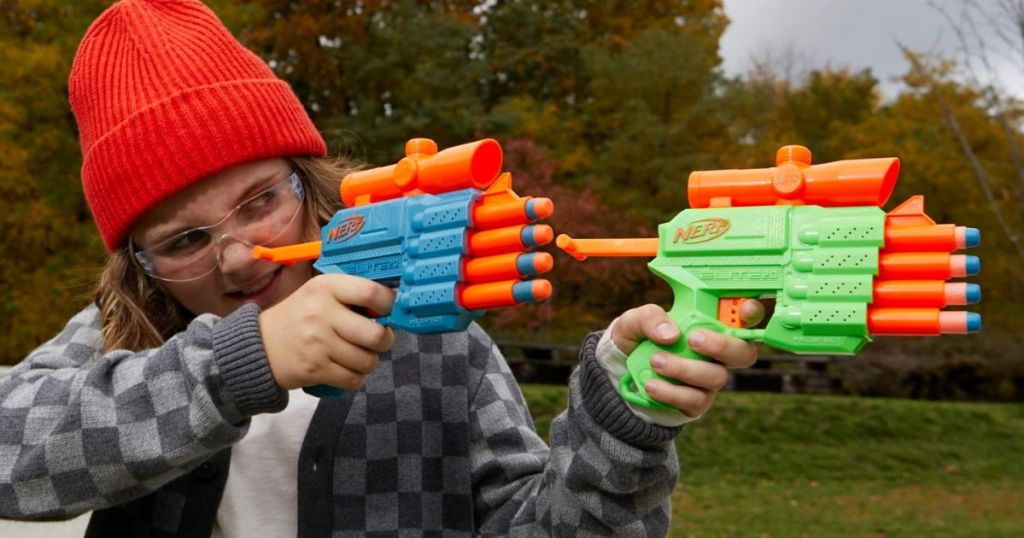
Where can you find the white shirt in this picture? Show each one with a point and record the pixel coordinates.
(261, 494)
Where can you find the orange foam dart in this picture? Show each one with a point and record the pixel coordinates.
(509, 239)
(921, 322)
(502, 294)
(289, 254)
(937, 238)
(926, 265)
(495, 213)
(509, 266)
(909, 229)
(795, 181)
(924, 293)
(424, 169)
(581, 249)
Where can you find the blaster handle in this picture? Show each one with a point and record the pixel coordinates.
(692, 309)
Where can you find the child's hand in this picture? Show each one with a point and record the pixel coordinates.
(313, 337)
(702, 379)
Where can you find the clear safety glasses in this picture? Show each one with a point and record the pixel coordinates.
(195, 253)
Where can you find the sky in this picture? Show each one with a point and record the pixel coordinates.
(862, 33)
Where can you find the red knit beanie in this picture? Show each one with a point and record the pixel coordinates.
(165, 96)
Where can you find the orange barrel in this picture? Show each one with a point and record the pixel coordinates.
(795, 181)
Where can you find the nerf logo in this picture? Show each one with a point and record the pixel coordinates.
(702, 231)
(346, 229)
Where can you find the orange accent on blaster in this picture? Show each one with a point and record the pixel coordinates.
(424, 169)
(729, 311)
(581, 249)
(289, 254)
(795, 181)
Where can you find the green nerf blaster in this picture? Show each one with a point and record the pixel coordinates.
(813, 238)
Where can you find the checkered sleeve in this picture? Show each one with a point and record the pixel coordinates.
(607, 473)
(81, 429)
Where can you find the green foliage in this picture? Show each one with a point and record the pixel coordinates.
(51, 249)
(604, 106)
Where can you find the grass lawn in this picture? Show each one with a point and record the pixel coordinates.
(776, 465)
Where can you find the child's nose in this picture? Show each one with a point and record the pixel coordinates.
(235, 256)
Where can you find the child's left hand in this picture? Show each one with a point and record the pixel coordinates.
(701, 379)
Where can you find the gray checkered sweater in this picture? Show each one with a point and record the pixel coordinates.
(438, 442)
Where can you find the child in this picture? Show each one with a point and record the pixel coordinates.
(169, 406)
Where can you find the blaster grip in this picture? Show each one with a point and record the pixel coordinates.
(692, 308)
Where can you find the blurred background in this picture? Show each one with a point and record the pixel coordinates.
(605, 107)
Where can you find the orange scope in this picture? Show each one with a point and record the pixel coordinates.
(424, 169)
(794, 180)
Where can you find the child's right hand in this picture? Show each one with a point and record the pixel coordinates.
(313, 337)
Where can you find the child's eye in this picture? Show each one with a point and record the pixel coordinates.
(260, 203)
(186, 243)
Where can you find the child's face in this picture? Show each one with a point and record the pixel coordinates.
(238, 278)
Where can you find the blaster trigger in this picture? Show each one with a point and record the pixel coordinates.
(729, 312)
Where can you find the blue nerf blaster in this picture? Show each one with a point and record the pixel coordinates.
(442, 227)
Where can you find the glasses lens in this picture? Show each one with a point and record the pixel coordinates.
(263, 218)
(257, 221)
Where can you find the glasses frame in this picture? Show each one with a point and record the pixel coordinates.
(294, 180)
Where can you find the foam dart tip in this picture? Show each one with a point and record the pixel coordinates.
(534, 263)
(961, 265)
(973, 294)
(531, 291)
(962, 293)
(967, 237)
(537, 235)
(959, 322)
(539, 208)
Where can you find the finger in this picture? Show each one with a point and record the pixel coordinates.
(642, 323)
(751, 312)
(728, 350)
(693, 372)
(339, 376)
(357, 291)
(361, 331)
(353, 358)
(692, 401)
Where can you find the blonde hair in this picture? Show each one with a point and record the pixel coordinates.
(136, 313)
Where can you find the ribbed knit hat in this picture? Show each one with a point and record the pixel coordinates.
(164, 96)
